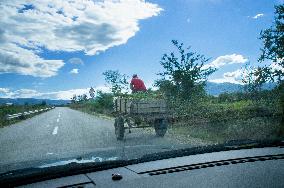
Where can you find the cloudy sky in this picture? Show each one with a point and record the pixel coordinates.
(54, 49)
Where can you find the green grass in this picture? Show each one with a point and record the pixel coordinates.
(257, 128)
(219, 121)
(94, 108)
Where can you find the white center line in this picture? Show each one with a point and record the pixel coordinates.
(57, 120)
(59, 115)
(55, 130)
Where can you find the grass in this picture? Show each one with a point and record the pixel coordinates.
(5, 110)
(220, 121)
(257, 128)
(94, 108)
(212, 119)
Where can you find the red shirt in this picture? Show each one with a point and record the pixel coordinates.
(138, 84)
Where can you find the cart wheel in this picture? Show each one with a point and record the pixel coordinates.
(119, 128)
(161, 126)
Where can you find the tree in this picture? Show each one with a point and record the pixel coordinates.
(273, 49)
(81, 98)
(84, 97)
(250, 80)
(74, 99)
(104, 101)
(92, 92)
(117, 81)
(185, 74)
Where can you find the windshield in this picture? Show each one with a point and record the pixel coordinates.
(94, 80)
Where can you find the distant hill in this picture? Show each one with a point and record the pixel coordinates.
(218, 88)
(22, 101)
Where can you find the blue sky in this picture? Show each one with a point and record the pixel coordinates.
(66, 51)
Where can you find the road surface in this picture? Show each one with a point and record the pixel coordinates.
(63, 132)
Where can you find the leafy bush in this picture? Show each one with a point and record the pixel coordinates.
(102, 103)
(184, 75)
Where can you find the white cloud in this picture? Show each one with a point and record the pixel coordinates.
(64, 94)
(104, 89)
(76, 60)
(227, 60)
(275, 66)
(235, 74)
(25, 93)
(4, 90)
(69, 26)
(234, 77)
(68, 94)
(21, 93)
(258, 16)
(15, 59)
(74, 71)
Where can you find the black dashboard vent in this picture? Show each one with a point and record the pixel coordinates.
(213, 164)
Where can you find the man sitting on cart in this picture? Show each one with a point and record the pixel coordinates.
(137, 85)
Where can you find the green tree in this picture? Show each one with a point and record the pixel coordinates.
(249, 79)
(84, 97)
(273, 49)
(184, 74)
(92, 92)
(79, 98)
(118, 82)
(74, 99)
(104, 102)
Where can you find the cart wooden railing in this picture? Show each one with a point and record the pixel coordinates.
(140, 113)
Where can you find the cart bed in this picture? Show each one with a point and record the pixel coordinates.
(140, 107)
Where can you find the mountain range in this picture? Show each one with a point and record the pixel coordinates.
(218, 88)
(22, 101)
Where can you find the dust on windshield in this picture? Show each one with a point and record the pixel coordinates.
(108, 80)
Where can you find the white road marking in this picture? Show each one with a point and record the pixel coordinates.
(55, 130)
(59, 115)
(49, 153)
(57, 120)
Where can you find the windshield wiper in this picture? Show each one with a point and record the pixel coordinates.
(31, 175)
(230, 145)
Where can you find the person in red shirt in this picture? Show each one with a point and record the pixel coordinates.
(137, 85)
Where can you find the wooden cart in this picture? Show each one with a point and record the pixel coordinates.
(140, 114)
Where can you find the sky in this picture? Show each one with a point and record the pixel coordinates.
(54, 49)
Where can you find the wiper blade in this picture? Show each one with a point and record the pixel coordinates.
(31, 175)
(231, 145)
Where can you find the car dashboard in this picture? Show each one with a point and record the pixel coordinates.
(257, 167)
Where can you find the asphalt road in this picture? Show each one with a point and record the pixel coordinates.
(63, 133)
